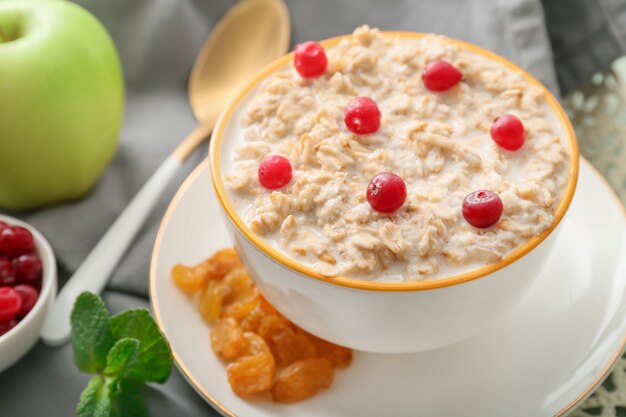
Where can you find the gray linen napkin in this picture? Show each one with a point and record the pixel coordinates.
(158, 41)
(586, 36)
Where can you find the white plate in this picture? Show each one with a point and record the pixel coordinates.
(542, 359)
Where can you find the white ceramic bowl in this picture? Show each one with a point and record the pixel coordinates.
(16, 342)
(388, 317)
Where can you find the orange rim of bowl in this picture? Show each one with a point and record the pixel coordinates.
(353, 283)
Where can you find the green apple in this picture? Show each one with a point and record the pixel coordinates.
(61, 102)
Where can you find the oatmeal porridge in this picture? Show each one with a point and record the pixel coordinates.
(442, 124)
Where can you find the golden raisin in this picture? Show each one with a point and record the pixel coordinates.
(251, 374)
(240, 284)
(273, 325)
(240, 309)
(250, 333)
(267, 307)
(190, 279)
(285, 344)
(252, 321)
(210, 301)
(254, 371)
(339, 356)
(221, 263)
(255, 345)
(291, 347)
(227, 339)
(302, 379)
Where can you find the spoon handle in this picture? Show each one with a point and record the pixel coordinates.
(93, 273)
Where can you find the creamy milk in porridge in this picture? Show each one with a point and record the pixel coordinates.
(439, 143)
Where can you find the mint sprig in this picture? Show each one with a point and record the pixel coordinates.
(124, 351)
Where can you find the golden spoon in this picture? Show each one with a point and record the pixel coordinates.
(249, 36)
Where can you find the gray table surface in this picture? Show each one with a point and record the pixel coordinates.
(158, 41)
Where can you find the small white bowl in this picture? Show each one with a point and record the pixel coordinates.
(19, 340)
(388, 317)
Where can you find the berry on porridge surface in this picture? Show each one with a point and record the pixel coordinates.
(310, 60)
(274, 172)
(508, 132)
(362, 116)
(441, 76)
(386, 192)
(482, 208)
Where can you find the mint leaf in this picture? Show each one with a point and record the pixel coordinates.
(91, 333)
(121, 357)
(95, 400)
(154, 359)
(124, 351)
(128, 402)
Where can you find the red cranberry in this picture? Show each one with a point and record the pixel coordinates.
(441, 76)
(310, 59)
(274, 172)
(10, 304)
(3, 226)
(362, 115)
(5, 327)
(29, 296)
(7, 272)
(386, 192)
(508, 132)
(16, 240)
(482, 208)
(28, 269)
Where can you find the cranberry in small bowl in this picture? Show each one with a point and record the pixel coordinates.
(28, 283)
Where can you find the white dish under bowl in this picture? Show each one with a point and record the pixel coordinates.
(19, 340)
(542, 359)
